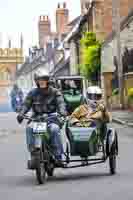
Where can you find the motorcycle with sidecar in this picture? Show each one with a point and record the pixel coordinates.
(87, 146)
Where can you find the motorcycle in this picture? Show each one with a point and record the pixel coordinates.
(45, 162)
(93, 145)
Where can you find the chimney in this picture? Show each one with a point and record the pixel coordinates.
(64, 5)
(58, 5)
(44, 28)
(62, 18)
(21, 41)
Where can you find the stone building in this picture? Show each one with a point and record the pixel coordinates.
(101, 21)
(109, 62)
(9, 60)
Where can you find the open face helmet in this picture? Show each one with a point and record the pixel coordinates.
(94, 94)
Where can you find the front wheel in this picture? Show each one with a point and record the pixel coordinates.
(50, 170)
(41, 173)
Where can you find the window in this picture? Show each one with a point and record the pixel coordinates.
(4, 76)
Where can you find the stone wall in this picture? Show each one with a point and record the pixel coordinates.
(109, 50)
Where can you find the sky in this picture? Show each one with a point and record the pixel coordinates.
(21, 16)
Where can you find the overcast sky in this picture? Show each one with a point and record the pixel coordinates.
(18, 16)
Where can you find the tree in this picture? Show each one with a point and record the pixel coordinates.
(91, 56)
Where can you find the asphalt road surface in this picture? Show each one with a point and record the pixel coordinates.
(95, 183)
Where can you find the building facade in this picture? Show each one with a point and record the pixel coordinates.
(9, 60)
(109, 70)
(102, 14)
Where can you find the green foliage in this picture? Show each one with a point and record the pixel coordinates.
(115, 92)
(91, 53)
(130, 94)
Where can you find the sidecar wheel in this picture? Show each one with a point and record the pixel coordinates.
(112, 159)
(41, 173)
(112, 164)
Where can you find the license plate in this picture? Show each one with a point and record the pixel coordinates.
(39, 127)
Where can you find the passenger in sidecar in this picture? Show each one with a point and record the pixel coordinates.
(93, 109)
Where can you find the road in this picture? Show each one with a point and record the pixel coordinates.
(94, 182)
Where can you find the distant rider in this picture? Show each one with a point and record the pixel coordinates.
(16, 93)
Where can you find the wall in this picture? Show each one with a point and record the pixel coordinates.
(102, 15)
(129, 80)
(109, 51)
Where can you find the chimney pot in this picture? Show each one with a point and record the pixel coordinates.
(58, 5)
(64, 5)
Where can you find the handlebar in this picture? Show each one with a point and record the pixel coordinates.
(43, 117)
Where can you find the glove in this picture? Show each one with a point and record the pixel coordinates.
(20, 118)
(62, 119)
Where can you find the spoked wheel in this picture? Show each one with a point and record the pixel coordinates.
(112, 164)
(40, 169)
(41, 173)
(112, 156)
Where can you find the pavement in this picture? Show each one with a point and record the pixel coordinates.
(94, 182)
(9, 125)
(123, 117)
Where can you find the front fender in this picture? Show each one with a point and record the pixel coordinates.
(111, 140)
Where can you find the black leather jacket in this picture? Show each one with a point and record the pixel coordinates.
(44, 101)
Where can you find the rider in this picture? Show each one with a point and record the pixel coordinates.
(16, 92)
(92, 109)
(44, 99)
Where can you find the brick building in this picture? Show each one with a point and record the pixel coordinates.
(46, 35)
(102, 14)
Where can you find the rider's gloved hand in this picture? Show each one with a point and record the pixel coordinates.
(20, 118)
(61, 120)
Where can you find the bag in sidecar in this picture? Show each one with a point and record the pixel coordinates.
(84, 141)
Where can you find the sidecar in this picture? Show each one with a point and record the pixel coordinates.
(93, 145)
